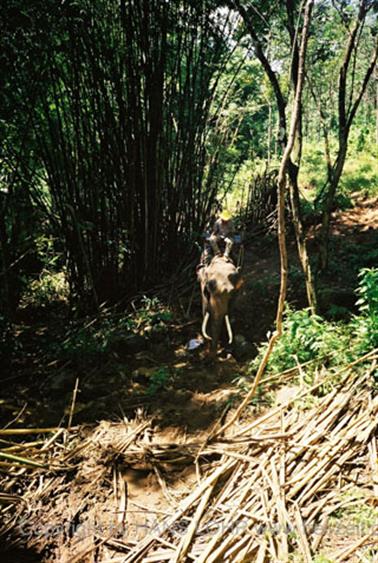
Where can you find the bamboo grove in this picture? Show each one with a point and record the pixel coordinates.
(116, 106)
(123, 121)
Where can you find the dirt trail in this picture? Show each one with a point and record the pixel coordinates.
(192, 395)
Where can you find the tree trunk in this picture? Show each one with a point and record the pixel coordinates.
(282, 136)
(300, 237)
(333, 181)
(347, 110)
(293, 169)
(282, 175)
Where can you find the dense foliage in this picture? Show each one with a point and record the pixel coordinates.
(123, 122)
(310, 339)
(106, 118)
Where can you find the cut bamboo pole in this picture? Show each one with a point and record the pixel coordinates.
(345, 553)
(318, 537)
(15, 459)
(184, 546)
(210, 554)
(26, 431)
(303, 541)
(188, 502)
(373, 457)
(261, 554)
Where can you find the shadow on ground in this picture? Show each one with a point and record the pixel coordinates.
(175, 387)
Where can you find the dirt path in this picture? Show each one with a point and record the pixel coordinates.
(175, 386)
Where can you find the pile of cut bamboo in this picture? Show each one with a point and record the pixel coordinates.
(291, 471)
(267, 489)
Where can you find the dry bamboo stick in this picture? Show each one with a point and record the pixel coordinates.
(321, 412)
(15, 460)
(234, 552)
(121, 499)
(310, 512)
(87, 551)
(166, 543)
(316, 436)
(260, 438)
(232, 542)
(345, 553)
(184, 546)
(210, 554)
(317, 539)
(229, 485)
(188, 502)
(233, 499)
(113, 560)
(248, 553)
(158, 556)
(262, 552)
(230, 453)
(251, 511)
(265, 507)
(363, 558)
(24, 431)
(255, 470)
(53, 439)
(286, 372)
(24, 447)
(309, 391)
(254, 516)
(297, 482)
(303, 541)
(163, 485)
(306, 493)
(283, 517)
(73, 403)
(373, 457)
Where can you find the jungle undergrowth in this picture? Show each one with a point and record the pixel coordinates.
(311, 339)
(92, 339)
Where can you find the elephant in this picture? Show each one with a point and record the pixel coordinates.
(219, 281)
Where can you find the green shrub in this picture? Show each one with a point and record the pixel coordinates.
(343, 201)
(49, 286)
(312, 175)
(360, 172)
(151, 311)
(48, 280)
(306, 337)
(366, 323)
(96, 337)
(158, 380)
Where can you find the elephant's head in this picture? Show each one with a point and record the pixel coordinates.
(219, 282)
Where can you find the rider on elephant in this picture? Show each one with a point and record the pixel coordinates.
(223, 229)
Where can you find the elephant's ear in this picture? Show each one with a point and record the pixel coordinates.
(236, 279)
